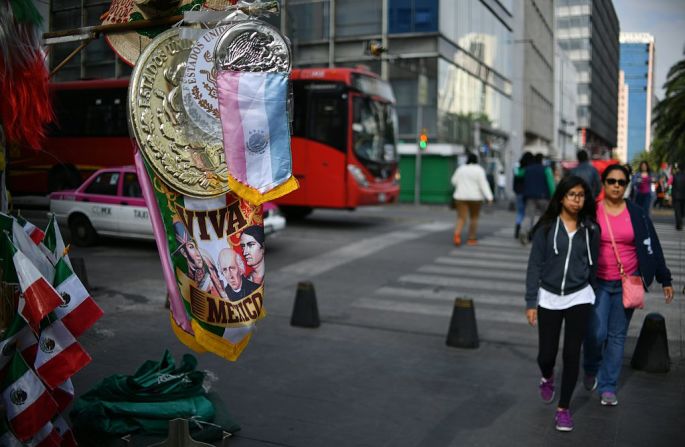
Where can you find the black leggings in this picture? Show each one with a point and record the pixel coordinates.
(549, 330)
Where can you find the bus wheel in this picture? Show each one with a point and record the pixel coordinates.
(61, 177)
(296, 212)
(82, 232)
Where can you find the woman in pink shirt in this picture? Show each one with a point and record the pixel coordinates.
(641, 255)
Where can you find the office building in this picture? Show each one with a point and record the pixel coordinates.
(588, 31)
(637, 62)
(565, 105)
(621, 152)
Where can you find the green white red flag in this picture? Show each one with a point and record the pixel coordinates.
(27, 402)
(53, 244)
(15, 330)
(38, 298)
(79, 311)
(32, 231)
(46, 437)
(63, 395)
(65, 432)
(32, 252)
(7, 438)
(59, 355)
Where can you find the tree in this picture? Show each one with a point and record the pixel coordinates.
(669, 117)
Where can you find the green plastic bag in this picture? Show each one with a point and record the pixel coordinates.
(145, 402)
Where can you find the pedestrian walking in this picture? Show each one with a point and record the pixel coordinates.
(501, 185)
(538, 187)
(629, 244)
(559, 287)
(643, 187)
(526, 159)
(678, 195)
(587, 172)
(470, 189)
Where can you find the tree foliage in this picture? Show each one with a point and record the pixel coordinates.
(669, 117)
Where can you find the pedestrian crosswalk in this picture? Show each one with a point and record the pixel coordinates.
(492, 274)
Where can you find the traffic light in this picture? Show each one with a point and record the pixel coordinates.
(374, 48)
(423, 140)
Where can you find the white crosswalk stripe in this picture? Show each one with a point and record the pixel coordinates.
(492, 274)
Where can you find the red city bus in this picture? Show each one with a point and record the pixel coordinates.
(344, 140)
(90, 132)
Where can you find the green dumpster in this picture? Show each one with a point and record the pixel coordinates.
(436, 171)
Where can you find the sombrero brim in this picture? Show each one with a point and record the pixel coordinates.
(129, 45)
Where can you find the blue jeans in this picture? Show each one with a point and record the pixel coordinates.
(606, 336)
(520, 208)
(644, 201)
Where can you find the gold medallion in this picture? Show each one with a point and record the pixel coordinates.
(179, 152)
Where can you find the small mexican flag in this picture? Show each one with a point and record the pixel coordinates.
(63, 395)
(15, 330)
(38, 297)
(79, 311)
(28, 404)
(32, 231)
(27, 344)
(65, 432)
(59, 355)
(47, 436)
(25, 245)
(7, 438)
(53, 244)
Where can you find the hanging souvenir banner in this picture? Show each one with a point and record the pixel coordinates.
(253, 61)
(215, 250)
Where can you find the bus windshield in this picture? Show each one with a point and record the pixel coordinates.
(374, 128)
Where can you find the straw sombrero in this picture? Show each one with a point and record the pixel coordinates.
(129, 45)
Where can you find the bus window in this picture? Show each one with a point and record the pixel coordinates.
(89, 113)
(320, 113)
(327, 122)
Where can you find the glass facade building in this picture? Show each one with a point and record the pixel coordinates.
(637, 62)
(461, 46)
(588, 31)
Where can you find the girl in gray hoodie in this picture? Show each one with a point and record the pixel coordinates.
(559, 286)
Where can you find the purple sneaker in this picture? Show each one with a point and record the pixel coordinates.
(547, 389)
(563, 419)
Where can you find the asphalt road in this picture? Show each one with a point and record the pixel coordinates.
(377, 372)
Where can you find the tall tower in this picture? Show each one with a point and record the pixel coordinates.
(588, 31)
(622, 127)
(637, 62)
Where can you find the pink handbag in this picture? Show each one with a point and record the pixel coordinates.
(633, 289)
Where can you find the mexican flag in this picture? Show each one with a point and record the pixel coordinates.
(25, 245)
(46, 437)
(65, 432)
(79, 311)
(53, 244)
(28, 404)
(18, 338)
(38, 297)
(27, 344)
(15, 330)
(32, 231)
(63, 395)
(7, 438)
(59, 355)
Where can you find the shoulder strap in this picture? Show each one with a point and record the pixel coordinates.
(613, 242)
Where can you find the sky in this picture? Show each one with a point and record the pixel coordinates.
(663, 19)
